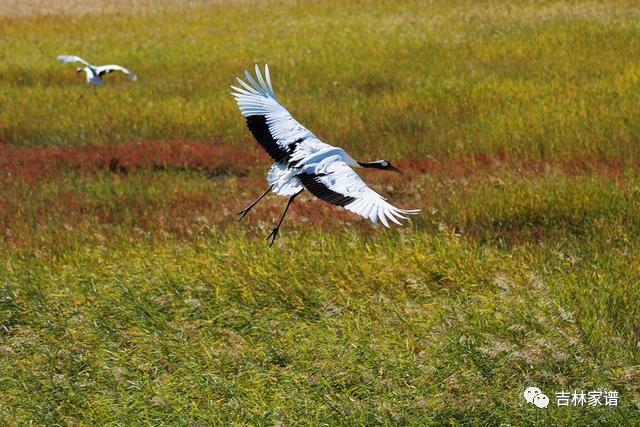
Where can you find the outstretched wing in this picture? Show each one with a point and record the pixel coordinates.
(269, 122)
(108, 69)
(340, 185)
(69, 59)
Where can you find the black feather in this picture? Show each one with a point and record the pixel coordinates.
(316, 187)
(261, 132)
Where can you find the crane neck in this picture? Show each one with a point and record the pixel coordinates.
(374, 165)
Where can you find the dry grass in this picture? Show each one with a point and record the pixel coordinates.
(37, 8)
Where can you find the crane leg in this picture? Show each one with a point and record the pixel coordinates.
(274, 232)
(246, 210)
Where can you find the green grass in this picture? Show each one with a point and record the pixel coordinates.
(135, 298)
(415, 329)
(528, 79)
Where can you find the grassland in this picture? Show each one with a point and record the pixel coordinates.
(129, 294)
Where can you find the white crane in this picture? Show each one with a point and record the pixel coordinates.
(302, 161)
(94, 73)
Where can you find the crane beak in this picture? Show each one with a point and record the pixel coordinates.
(395, 169)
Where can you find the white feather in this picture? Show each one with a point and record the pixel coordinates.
(341, 178)
(70, 59)
(111, 68)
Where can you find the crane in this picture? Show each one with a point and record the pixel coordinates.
(94, 73)
(302, 161)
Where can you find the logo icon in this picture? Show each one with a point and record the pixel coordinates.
(534, 395)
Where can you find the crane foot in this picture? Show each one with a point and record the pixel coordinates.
(273, 235)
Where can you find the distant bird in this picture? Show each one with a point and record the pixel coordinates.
(302, 161)
(94, 73)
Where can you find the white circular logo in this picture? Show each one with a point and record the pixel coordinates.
(535, 396)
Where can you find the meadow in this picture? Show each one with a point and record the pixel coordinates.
(130, 294)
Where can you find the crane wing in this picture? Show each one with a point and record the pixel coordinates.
(108, 69)
(269, 122)
(69, 59)
(340, 185)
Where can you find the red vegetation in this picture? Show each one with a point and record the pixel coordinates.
(26, 209)
(37, 163)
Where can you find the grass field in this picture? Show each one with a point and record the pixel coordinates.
(130, 295)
